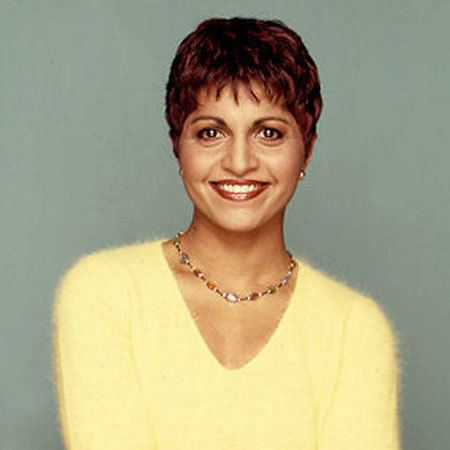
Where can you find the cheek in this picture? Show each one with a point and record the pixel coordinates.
(196, 166)
(287, 165)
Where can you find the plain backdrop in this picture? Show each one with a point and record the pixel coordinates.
(86, 163)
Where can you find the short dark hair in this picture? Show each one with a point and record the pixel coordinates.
(222, 51)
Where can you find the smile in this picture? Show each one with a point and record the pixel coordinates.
(237, 192)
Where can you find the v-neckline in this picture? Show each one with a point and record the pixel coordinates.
(193, 326)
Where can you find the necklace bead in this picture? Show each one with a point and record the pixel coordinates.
(184, 258)
(230, 296)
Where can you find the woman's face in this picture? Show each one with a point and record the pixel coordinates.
(246, 141)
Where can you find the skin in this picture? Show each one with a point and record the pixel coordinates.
(232, 240)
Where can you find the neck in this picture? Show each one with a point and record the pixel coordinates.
(238, 258)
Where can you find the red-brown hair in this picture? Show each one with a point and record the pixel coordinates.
(224, 51)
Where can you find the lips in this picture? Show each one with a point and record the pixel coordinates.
(239, 196)
(238, 182)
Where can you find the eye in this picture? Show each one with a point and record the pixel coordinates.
(207, 133)
(269, 133)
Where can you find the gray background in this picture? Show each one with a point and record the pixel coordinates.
(86, 163)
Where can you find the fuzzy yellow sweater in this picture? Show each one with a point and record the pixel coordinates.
(133, 372)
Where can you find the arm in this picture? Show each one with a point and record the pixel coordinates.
(99, 396)
(363, 411)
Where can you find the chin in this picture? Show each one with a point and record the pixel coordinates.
(241, 223)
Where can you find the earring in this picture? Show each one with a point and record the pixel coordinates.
(302, 174)
(180, 171)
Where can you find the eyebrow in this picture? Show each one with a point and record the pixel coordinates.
(223, 123)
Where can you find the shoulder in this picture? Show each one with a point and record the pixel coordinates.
(334, 302)
(339, 319)
(114, 258)
(107, 274)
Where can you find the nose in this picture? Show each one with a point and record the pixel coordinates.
(240, 157)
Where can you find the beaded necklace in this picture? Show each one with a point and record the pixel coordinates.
(230, 296)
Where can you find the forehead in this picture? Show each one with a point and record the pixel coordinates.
(246, 104)
(251, 94)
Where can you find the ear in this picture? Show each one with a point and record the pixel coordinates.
(309, 151)
(174, 143)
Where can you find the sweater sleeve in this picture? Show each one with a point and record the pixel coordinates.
(363, 413)
(99, 396)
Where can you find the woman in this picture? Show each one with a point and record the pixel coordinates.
(219, 338)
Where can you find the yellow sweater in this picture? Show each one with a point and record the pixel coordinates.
(133, 372)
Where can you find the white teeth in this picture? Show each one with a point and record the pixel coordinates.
(237, 188)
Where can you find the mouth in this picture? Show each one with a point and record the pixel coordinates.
(239, 192)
